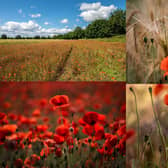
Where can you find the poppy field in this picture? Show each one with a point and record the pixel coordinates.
(147, 115)
(62, 60)
(63, 124)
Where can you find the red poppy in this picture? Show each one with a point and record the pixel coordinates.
(58, 152)
(49, 142)
(88, 130)
(62, 130)
(122, 131)
(36, 113)
(2, 116)
(158, 88)
(58, 139)
(99, 132)
(43, 102)
(34, 158)
(9, 128)
(7, 105)
(164, 64)
(18, 163)
(166, 99)
(91, 117)
(12, 116)
(62, 120)
(41, 128)
(59, 101)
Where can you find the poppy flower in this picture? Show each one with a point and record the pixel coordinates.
(121, 131)
(43, 102)
(49, 142)
(36, 113)
(91, 117)
(41, 128)
(166, 99)
(58, 139)
(18, 163)
(157, 89)
(99, 132)
(34, 158)
(164, 64)
(88, 130)
(12, 116)
(58, 152)
(62, 130)
(2, 116)
(10, 128)
(59, 101)
(62, 120)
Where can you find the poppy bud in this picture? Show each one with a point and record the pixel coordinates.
(145, 40)
(152, 40)
(146, 138)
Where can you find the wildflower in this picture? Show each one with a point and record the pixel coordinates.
(62, 130)
(91, 118)
(164, 65)
(59, 101)
(166, 99)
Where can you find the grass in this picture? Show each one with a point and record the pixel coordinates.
(64, 60)
(115, 38)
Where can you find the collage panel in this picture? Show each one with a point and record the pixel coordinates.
(58, 41)
(62, 124)
(147, 41)
(147, 118)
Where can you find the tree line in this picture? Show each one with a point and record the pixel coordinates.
(101, 28)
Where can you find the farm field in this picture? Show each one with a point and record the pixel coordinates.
(63, 60)
(62, 124)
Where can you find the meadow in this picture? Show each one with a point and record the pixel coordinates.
(63, 60)
(62, 124)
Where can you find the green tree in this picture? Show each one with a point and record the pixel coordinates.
(18, 37)
(98, 29)
(4, 36)
(117, 22)
(78, 33)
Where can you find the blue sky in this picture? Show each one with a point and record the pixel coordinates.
(48, 17)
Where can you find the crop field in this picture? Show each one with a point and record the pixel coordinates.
(62, 60)
(62, 124)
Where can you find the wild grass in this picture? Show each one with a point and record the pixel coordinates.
(146, 113)
(147, 43)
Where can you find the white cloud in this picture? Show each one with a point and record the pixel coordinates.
(90, 6)
(35, 15)
(20, 11)
(30, 28)
(94, 11)
(46, 23)
(64, 21)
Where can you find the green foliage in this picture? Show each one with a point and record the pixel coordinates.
(3, 36)
(98, 29)
(117, 22)
(101, 28)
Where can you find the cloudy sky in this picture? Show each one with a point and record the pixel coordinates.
(48, 17)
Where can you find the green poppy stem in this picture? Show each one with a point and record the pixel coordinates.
(138, 124)
(159, 128)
